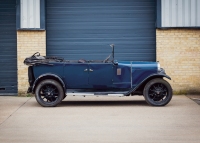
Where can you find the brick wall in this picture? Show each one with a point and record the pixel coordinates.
(178, 51)
(28, 42)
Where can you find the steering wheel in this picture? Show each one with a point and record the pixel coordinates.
(106, 60)
(35, 55)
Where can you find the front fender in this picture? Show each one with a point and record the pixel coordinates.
(150, 77)
(158, 76)
(48, 76)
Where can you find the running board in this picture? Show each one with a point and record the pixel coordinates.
(96, 92)
(92, 94)
(111, 93)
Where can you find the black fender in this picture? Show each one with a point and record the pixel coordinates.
(48, 76)
(152, 76)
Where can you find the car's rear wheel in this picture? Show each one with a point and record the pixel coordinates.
(49, 93)
(157, 92)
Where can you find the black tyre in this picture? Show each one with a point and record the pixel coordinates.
(49, 93)
(157, 92)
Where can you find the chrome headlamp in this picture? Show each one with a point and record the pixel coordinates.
(158, 67)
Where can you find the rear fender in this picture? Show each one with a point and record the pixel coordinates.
(48, 76)
(144, 82)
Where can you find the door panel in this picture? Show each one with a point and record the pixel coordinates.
(100, 75)
(76, 75)
(122, 75)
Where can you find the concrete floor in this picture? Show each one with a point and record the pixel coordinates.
(195, 98)
(99, 120)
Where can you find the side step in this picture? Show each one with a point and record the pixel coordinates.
(96, 93)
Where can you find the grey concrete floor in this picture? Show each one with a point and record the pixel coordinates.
(99, 120)
(195, 98)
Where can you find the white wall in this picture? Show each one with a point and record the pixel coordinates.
(180, 13)
(30, 13)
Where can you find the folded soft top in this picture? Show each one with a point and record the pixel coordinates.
(37, 59)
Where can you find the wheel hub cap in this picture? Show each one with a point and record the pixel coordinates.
(158, 92)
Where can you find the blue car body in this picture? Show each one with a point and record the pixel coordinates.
(103, 76)
(106, 77)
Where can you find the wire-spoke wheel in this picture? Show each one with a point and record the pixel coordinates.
(49, 93)
(157, 92)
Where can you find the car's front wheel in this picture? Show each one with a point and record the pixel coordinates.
(157, 92)
(49, 93)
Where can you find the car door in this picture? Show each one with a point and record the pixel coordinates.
(100, 75)
(122, 75)
(76, 75)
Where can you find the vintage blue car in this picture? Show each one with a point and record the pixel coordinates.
(51, 79)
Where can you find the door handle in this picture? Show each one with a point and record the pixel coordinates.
(90, 70)
(85, 70)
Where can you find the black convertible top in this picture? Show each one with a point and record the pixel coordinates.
(36, 59)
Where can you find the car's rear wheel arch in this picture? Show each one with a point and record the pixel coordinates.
(53, 77)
